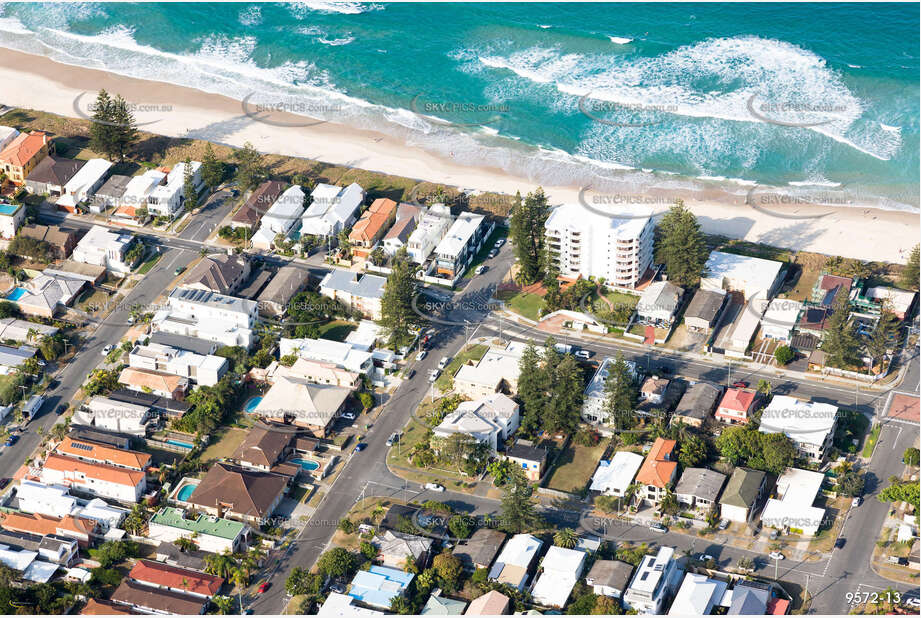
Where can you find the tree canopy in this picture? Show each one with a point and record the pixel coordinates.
(681, 246)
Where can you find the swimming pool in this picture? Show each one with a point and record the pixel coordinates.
(16, 294)
(8, 209)
(185, 492)
(180, 443)
(307, 464)
(252, 404)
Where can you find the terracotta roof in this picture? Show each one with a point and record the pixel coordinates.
(154, 380)
(401, 229)
(493, 603)
(44, 525)
(372, 220)
(103, 453)
(657, 470)
(165, 601)
(737, 399)
(241, 491)
(102, 472)
(23, 148)
(104, 608)
(187, 580)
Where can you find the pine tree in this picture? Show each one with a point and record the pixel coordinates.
(126, 133)
(531, 389)
(526, 228)
(563, 409)
(189, 191)
(620, 394)
(519, 506)
(251, 168)
(910, 273)
(212, 170)
(681, 246)
(102, 132)
(398, 315)
(841, 345)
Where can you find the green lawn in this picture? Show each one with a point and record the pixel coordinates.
(528, 305)
(227, 440)
(870, 443)
(445, 381)
(337, 330)
(574, 467)
(500, 232)
(149, 263)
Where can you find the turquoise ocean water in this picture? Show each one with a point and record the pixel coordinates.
(693, 95)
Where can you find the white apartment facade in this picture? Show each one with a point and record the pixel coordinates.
(653, 582)
(332, 209)
(166, 200)
(430, 229)
(207, 315)
(84, 183)
(122, 484)
(204, 370)
(585, 243)
(102, 246)
(280, 218)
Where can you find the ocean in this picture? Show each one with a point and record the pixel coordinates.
(809, 97)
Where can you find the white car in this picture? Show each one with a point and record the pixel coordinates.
(348, 416)
(499, 243)
(444, 362)
(855, 502)
(480, 269)
(583, 354)
(776, 555)
(422, 354)
(434, 487)
(433, 375)
(107, 349)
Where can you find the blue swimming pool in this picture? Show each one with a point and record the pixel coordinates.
(252, 404)
(185, 492)
(8, 209)
(181, 443)
(16, 294)
(307, 464)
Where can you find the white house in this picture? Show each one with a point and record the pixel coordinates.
(810, 425)
(102, 246)
(338, 353)
(613, 477)
(359, 291)
(280, 218)
(431, 228)
(512, 564)
(53, 500)
(137, 191)
(332, 209)
(793, 508)
(461, 243)
(207, 315)
(658, 303)
(491, 419)
(210, 533)
(498, 370)
(779, 319)
(123, 484)
(561, 570)
(697, 596)
(11, 218)
(593, 397)
(753, 277)
(653, 582)
(112, 415)
(84, 183)
(586, 243)
(166, 200)
(204, 370)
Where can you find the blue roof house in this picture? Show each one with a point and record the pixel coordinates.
(377, 586)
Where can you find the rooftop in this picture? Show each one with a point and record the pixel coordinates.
(658, 467)
(245, 492)
(217, 272)
(459, 234)
(742, 489)
(700, 483)
(622, 223)
(617, 474)
(357, 284)
(803, 421)
(176, 577)
(705, 304)
(201, 525)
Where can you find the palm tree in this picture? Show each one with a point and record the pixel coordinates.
(764, 387)
(184, 543)
(31, 334)
(224, 604)
(136, 519)
(221, 565)
(240, 579)
(565, 538)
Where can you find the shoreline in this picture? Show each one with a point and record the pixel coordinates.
(850, 231)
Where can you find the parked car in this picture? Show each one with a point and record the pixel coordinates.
(360, 447)
(337, 588)
(433, 375)
(444, 362)
(657, 527)
(349, 416)
(107, 349)
(434, 487)
(705, 558)
(480, 269)
(499, 243)
(856, 502)
(422, 354)
(13, 439)
(4, 482)
(840, 542)
(392, 439)
(583, 354)
(493, 253)
(724, 523)
(776, 555)
(264, 586)
(410, 374)
(62, 409)
(740, 384)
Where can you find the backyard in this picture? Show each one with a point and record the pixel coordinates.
(337, 330)
(574, 467)
(522, 303)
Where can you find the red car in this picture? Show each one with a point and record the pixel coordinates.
(740, 384)
(264, 586)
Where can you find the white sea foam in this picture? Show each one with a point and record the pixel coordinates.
(620, 40)
(301, 9)
(251, 15)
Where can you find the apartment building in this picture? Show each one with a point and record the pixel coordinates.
(280, 218)
(167, 200)
(103, 480)
(654, 581)
(358, 291)
(332, 209)
(210, 316)
(810, 425)
(584, 243)
(204, 370)
(102, 246)
(460, 244)
(430, 229)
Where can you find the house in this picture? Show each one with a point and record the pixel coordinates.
(430, 229)
(105, 247)
(81, 529)
(899, 302)
(655, 579)
(609, 577)
(51, 548)
(102, 436)
(828, 288)
(280, 218)
(152, 600)
(755, 278)
(221, 273)
(780, 318)
(191, 344)
(530, 458)
(341, 354)
(175, 579)
(357, 291)
(515, 560)
(658, 472)
(332, 209)
(167, 200)
(653, 390)
(96, 607)
(263, 448)
(561, 569)
(479, 551)
(378, 585)
(110, 194)
(90, 273)
(26, 562)
(587, 243)
(594, 396)
(698, 596)
(296, 401)
(316, 372)
(495, 372)
(204, 370)
(12, 358)
(82, 186)
(61, 239)
(113, 415)
(257, 204)
(343, 605)
(11, 218)
(461, 243)
(491, 420)
(7, 135)
(613, 477)
(154, 382)
(406, 218)
(742, 494)
(276, 296)
(106, 481)
(14, 329)
(207, 315)
(749, 598)
(47, 295)
(493, 603)
(396, 548)
(792, 510)
(20, 156)
(702, 313)
(699, 488)
(373, 223)
(697, 403)
(56, 501)
(810, 425)
(438, 605)
(133, 201)
(736, 406)
(95, 452)
(233, 491)
(658, 304)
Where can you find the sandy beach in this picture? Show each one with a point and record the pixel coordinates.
(35, 82)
